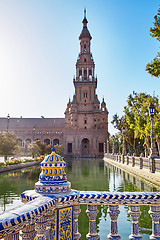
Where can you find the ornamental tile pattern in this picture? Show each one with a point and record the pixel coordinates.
(53, 178)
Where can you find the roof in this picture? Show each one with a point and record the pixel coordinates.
(32, 123)
(85, 32)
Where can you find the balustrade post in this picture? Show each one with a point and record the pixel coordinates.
(28, 232)
(155, 215)
(141, 163)
(49, 219)
(133, 161)
(135, 213)
(14, 236)
(113, 212)
(40, 227)
(76, 212)
(92, 212)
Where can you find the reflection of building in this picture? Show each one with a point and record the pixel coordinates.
(84, 130)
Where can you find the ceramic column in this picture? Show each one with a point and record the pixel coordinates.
(49, 217)
(113, 212)
(92, 212)
(40, 227)
(155, 215)
(14, 236)
(76, 211)
(135, 213)
(28, 232)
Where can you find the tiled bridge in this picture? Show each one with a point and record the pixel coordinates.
(51, 210)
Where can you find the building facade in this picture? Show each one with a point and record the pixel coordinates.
(86, 120)
(84, 130)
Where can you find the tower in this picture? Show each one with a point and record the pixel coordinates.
(86, 121)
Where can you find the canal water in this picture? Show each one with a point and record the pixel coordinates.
(87, 175)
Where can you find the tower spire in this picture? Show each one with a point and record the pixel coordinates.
(84, 13)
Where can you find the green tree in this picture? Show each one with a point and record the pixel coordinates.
(120, 123)
(37, 148)
(34, 149)
(9, 145)
(48, 148)
(138, 119)
(153, 68)
(59, 149)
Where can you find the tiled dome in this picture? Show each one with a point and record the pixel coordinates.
(53, 177)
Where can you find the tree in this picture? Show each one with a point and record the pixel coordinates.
(34, 149)
(48, 149)
(37, 148)
(59, 149)
(9, 145)
(119, 124)
(153, 68)
(136, 121)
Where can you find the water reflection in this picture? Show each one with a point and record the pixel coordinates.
(89, 175)
(13, 184)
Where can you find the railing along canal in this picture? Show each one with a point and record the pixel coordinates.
(51, 211)
(141, 162)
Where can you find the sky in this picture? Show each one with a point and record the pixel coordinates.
(39, 47)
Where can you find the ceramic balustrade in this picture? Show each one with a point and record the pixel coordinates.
(35, 219)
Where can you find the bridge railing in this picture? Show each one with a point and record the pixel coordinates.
(34, 220)
(141, 162)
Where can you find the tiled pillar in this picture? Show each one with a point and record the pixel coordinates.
(155, 215)
(135, 213)
(14, 236)
(113, 212)
(49, 218)
(28, 232)
(92, 212)
(40, 227)
(76, 211)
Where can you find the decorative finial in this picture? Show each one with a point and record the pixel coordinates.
(53, 149)
(85, 13)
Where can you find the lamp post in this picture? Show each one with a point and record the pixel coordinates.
(107, 145)
(153, 152)
(124, 150)
(34, 129)
(8, 117)
(113, 137)
(119, 146)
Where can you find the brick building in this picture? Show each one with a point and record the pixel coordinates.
(84, 130)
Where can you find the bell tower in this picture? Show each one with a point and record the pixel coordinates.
(85, 82)
(86, 120)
